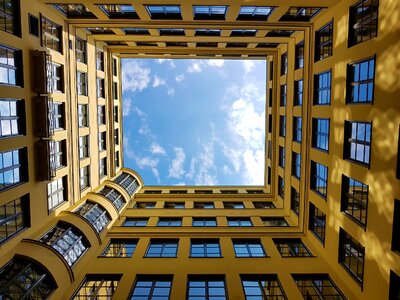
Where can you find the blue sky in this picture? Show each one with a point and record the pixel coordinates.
(194, 122)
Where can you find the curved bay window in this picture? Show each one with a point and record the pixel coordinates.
(114, 196)
(128, 182)
(95, 214)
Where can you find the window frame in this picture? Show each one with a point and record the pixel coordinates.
(15, 71)
(12, 220)
(317, 219)
(320, 45)
(352, 35)
(206, 246)
(55, 36)
(364, 144)
(13, 118)
(163, 245)
(320, 89)
(291, 243)
(348, 185)
(20, 163)
(320, 135)
(248, 244)
(352, 83)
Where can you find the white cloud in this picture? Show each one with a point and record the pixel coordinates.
(180, 78)
(126, 106)
(158, 81)
(157, 149)
(195, 67)
(147, 162)
(176, 168)
(135, 76)
(215, 62)
(171, 91)
(169, 60)
(248, 65)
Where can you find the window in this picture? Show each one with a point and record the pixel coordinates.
(351, 255)
(81, 82)
(319, 178)
(206, 287)
(114, 67)
(23, 279)
(316, 222)
(102, 141)
(114, 196)
(116, 118)
(207, 32)
(99, 60)
(396, 227)
(282, 126)
(256, 13)
(145, 205)
(57, 78)
(300, 14)
(317, 286)
(296, 164)
(116, 159)
(116, 136)
(56, 192)
(294, 200)
(299, 55)
(84, 179)
(170, 222)
(298, 92)
(204, 248)
(203, 205)
(13, 168)
(58, 153)
(284, 64)
(74, 10)
(33, 25)
(171, 31)
(281, 187)
(229, 191)
(354, 199)
(152, 287)
(320, 139)
(233, 205)
(174, 205)
(394, 286)
(363, 21)
(239, 222)
(115, 91)
(84, 146)
(262, 287)
(103, 167)
(95, 214)
(357, 141)
(135, 222)
(209, 12)
(297, 126)
(322, 88)
(51, 35)
(58, 115)
(100, 88)
(162, 248)
(291, 247)
(10, 17)
(360, 81)
(83, 115)
(178, 191)
(281, 157)
(283, 95)
(14, 216)
(248, 248)
(160, 12)
(128, 182)
(66, 240)
(243, 32)
(204, 222)
(323, 42)
(274, 222)
(80, 48)
(120, 248)
(12, 117)
(10, 66)
(119, 11)
(98, 287)
(101, 114)
(263, 205)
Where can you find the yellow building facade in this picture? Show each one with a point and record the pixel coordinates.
(76, 224)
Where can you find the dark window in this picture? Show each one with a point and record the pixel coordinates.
(351, 255)
(298, 92)
(174, 205)
(363, 21)
(297, 125)
(295, 201)
(135, 222)
(103, 167)
(360, 81)
(320, 137)
(144, 205)
(233, 205)
(207, 32)
(274, 221)
(322, 88)
(396, 227)
(319, 178)
(98, 287)
(58, 115)
(33, 25)
(263, 205)
(84, 177)
(323, 42)
(116, 113)
(282, 126)
(281, 157)
(256, 13)
(300, 14)
(116, 159)
(204, 248)
(120, 248)
(317, 286)
(13, 168)
(115, 90)
(101, 114)
(102, 141)
(12, 117)
(281, 187)
(291, 248)
(203, 205)
(162, 248)
(203, 191)
(100, 88)
(83, 146)
(57, 78)
(116, 136)
(299, 55)
(284, 64)
(394, 286)
(23, 279)
(316, 222)
(354, 199)
(10, 17)
(283, 95)
(239, 222)
(262, 287)
(204, 222)
(80, 47)
(74, 10)
(357, 141)
(14, 216)
(11, 66)
(130, 30)
(209, 12)
(81, 82)
(255, 192)
(57, 192)
(115, 66)
(206, 287)
(229, 191)
(244, 32)
(95, 214)
(279, 33)
(99, 60)
(51, 35)
(170, 222)
(152, 191)
(171, 31)
(152, 287)
(160, 12)
(120, 11)
(270, 125)
(296, 164)
(269, 154)
(248, 248)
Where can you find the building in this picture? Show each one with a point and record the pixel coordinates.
(75, 223)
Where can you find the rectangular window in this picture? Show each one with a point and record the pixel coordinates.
(351, 255)
(84, 177)
(81, 50)
(81, 82)
(174, 205)
(10, 17)
(274, 222)
(103, 167)
(204, 222)
(320, 139)
(154, 287)
(162, 248)
(170, 222)
(262, 287)
(206, 287)
(282, 126)
(233, 205)
(298, 92)
(322, 88)
(144, 205)
(203, 205)
(14, 216)
(296, 164)
(283, 94)
(256, 13)
(316, 222)
(135, 222)
(294, 200)
(363, 21)
(319, 178)
(11, 72)
(99, 60)
(357, 141)
(51, 35)
(281, 187)
(354, 199)
(102, 141)
(281, 157)
(13, 168)
(263, 205)
(284, 64)
(116, 118)
(297, 127)
(291, 247)
(115, 66)
(239, 222)
(119, 11)
(12, 117)
(58, 152)
(100, 88)
(83, 146)
(396, 227)
(160, 12)
(115, 91)
(204, 248)
(58, 115)
(299, 55)
(116, 159)
(209, 12)
(248, 248)
(101, 114)
(120, 248)
(323, 42)
(317, 286)
(57, 78)
(360, 81)
(33, 25)
(98, 287)
(394, 286)
(116, 136)
(83, 115)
